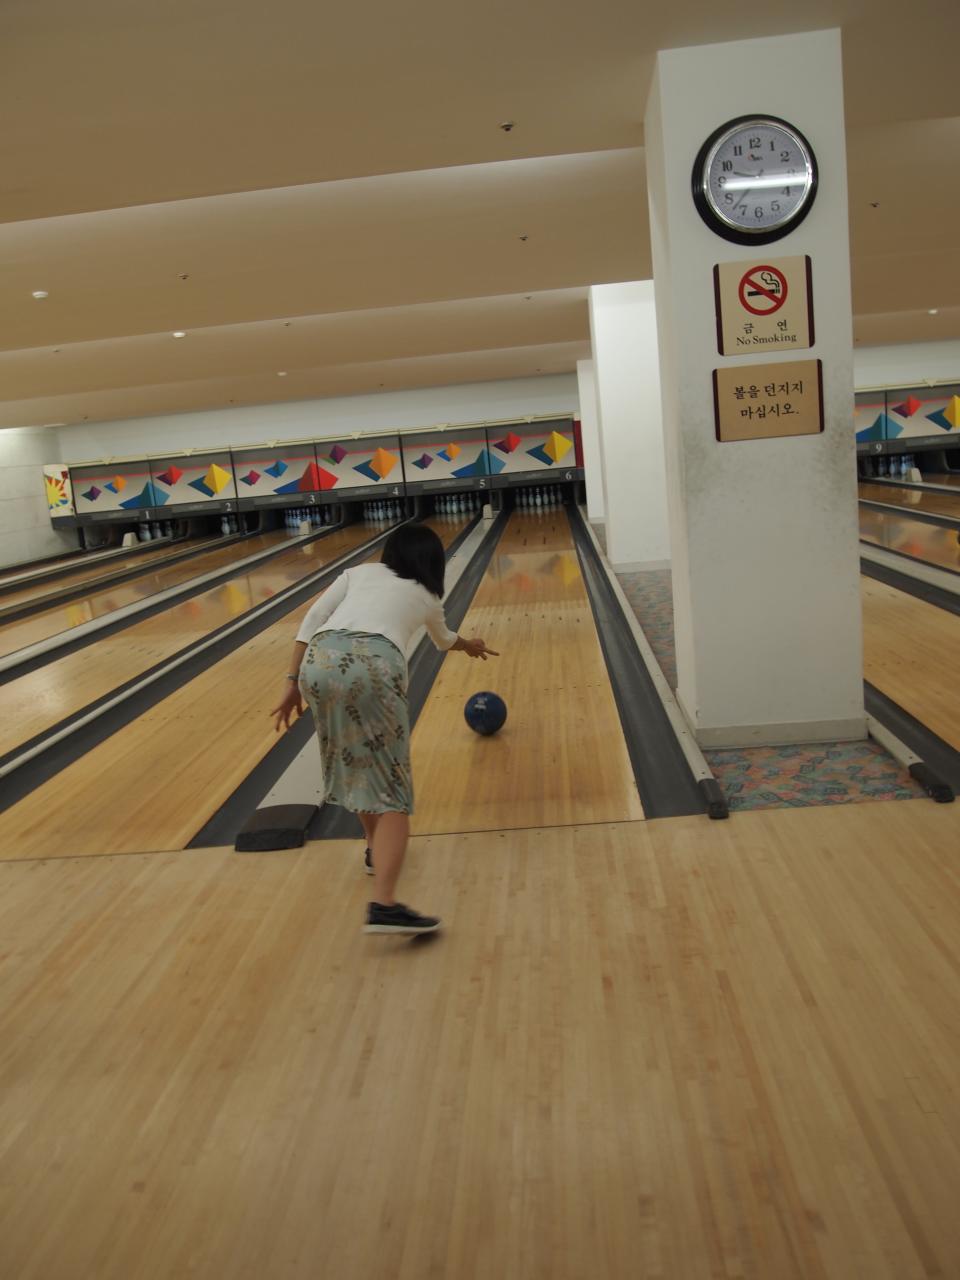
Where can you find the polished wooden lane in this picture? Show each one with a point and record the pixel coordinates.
(154, 784)
(952, 481)
(36, 701)
(62, 618)
(561, 757)
(77, 559)
(675, 1049)
(928, 542)
(931, 503)
(89, 573)
(910, 653)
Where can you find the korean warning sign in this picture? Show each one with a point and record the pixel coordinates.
(764, 305)
(759, 401)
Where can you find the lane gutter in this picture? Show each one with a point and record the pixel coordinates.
(672, 776)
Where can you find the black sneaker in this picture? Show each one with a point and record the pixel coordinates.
(398, 919)
(368, 862)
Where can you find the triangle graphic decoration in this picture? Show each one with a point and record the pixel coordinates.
(149, 496)
(882, 428)
(908, 407)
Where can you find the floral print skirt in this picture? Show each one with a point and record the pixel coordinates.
(356, 687)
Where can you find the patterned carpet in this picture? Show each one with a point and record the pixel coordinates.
(772, 777)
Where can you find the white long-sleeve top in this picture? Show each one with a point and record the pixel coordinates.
(372, 599)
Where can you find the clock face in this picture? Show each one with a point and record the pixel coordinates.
(754, 179)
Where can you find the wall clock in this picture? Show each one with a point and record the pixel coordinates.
(754, 179)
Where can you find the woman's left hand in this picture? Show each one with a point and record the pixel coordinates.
(290, 702)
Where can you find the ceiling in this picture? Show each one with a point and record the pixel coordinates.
(321, 196)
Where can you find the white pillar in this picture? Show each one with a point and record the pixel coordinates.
(764, 533)
(590, 439)
(623, 328)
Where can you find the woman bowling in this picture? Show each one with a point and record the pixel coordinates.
(350, 664)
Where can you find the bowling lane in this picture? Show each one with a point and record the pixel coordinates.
(561, 758)
(76, 559)
(930, 543)
(89, 573)
(58, 689)
(933, 504)
(63, 617)
(935, 477)
(153, 784)
(909, 650)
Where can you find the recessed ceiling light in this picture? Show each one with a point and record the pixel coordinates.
(932, 311)
(179, 333)
(40, 293)
(508, 125)
(281, 373)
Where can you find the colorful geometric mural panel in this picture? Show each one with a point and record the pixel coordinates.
(92, 494)
(485, 464)
(326, 478)
(277, 470)
(449, 452)
(170, 476)
(883, 427)
(366, 469)
(216, 478)
(57, 493)
(557, 446)
(509, 443)
(540, 453)
(201, 486)
(423, 461)
(383, 463)
(310, 480)
(493, 464)
(337, 454)
(149, 496)
(947, 418)
(251, 477)
(908, 407)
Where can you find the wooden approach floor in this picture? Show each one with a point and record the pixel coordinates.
(673, 1050)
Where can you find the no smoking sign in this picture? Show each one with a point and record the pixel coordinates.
(763, 305)
(763, 290)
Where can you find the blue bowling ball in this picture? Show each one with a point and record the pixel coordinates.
(485, 713)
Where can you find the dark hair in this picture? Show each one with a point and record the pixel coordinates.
(414, 551)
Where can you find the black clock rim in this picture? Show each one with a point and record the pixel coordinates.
(704, 208)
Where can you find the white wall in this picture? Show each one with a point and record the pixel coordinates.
(907, 365)
(25, 530)
(590, 439)
(305, 419)
(623, 329)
